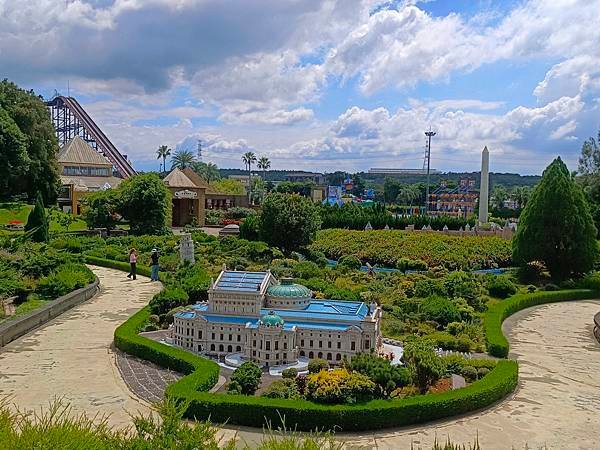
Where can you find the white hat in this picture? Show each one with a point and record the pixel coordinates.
(154, 250)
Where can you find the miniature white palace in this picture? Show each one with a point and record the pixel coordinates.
(275, 323)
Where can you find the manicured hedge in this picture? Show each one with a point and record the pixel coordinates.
(306, 415)
(118, 265)
(497, 344)
(202, 374)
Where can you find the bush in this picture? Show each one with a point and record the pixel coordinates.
(440, 310)
(317, 364)
(551, 287)
(531, 288)
(428, 287)
(195, 281)
(591, 281)
(425, 366)
(64, 279)
(37, 222)
(380, 371)
(349, 262)
(501, 287)
(339, 386)
(245, 379)
(482, 372)
(167, 299)
(306, 269)
(250, 228)
(289, 373)
(285, 388)
(496, 343)
(470, 373)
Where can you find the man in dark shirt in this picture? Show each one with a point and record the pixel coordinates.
(154, 265)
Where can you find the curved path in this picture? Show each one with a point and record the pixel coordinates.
(557, 403)
(71, 356)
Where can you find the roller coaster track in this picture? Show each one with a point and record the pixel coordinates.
(70, 120)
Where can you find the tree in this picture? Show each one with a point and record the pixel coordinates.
(209, 171)
(289, 221)
(13, 153)
(30, 114)
(245, 379)
(499, 195)
(317, 364)
(556, 226)
(64, 219)
(521, 195)
(249, 158)
(425, 366)
(589, 161)
(162, 153)
(182, 159)
(264, 164)
(37, 222)
(229, 186)
(146, 204)
(101, 209)
(407, 195)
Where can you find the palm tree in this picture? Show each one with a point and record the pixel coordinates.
(163, 152)
(408, 194)
(248, 159)
(264, 164)
(209, 171)
(521, 194)
(182, 159)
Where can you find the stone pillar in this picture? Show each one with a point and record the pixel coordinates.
(186, 248)
(484, 186)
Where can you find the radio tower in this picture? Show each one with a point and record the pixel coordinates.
(427, 161)
(199, 150)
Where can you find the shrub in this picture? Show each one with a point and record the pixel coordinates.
(306, 269)
(531, 288)
(349, 262)
(428, 287)
(482, 372)
(245, 379)
(470, 373)
(195, 281)
(591, 281)
(317, 364)
(285, 388)
(37, 222)
(380, 371)
(64, 279)
(238, 212)
(530, 272)
(250, 228)
(289, 373)
(425, 366)
(440, 310)
(501, 287)
(167, 299)
(338, 386)
(551, 287)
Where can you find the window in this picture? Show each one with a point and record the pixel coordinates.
(311, 355)
(239, 337)
(268, 345)
(212, 347)
(199, 348)
(367, 344)
(199, 334)
(301, 342)
(328, 344)
(329, 358)
(338, 357)
(276, 345)
(285, 346)
(231, 337)
(229, 348)
(311, 344)
(320, 355)
(267, 356)
(352, 345)
(238, 348)
(254, 343)
(221, 347)
(213, 336)
(221, 338)
(320, 344)
(339, 345)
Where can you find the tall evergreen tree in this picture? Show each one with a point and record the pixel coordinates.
(556, 226)
(37, 222)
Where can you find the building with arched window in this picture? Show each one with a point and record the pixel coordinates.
(275, 322)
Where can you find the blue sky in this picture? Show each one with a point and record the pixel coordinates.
(321, 84)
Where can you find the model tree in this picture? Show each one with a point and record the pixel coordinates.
(245, 379)
(556, 226)
(101, 209)
(37, 222)
(289, 221)
(425, 366)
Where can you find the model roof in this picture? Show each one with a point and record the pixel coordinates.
(77, 151)
(241, 281)
(177, 179)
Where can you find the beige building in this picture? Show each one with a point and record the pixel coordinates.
(82, 170)
(275, 322)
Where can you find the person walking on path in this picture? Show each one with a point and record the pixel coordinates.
(132, 263)
(154, 265)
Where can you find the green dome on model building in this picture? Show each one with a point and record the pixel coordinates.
(287, 289)
(271, 320)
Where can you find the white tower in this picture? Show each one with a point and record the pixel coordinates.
(484, 186)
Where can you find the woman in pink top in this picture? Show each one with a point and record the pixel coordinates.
(132, 262)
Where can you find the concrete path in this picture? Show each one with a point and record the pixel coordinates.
(556, 405)
(71, 356)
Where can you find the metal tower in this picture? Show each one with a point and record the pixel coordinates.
(427, 160)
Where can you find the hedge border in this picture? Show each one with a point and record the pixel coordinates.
(496, 342)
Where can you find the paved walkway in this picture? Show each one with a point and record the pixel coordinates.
(71, 356)
(556, 405)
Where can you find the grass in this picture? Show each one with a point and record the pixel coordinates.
(20, 212)
(26, 307)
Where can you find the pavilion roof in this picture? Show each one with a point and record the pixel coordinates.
(79, 152)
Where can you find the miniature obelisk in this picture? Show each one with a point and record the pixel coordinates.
(484, 186)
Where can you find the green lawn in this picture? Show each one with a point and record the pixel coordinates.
(26, 307)
(20, 211)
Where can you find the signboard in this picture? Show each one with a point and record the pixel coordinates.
(186, 194)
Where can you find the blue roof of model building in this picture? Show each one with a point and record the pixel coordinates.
(241, 281)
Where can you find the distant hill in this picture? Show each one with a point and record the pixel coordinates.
(505, 179)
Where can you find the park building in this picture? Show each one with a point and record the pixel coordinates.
(275, 322)
(82, 170)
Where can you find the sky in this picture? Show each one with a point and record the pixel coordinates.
(320, 85)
